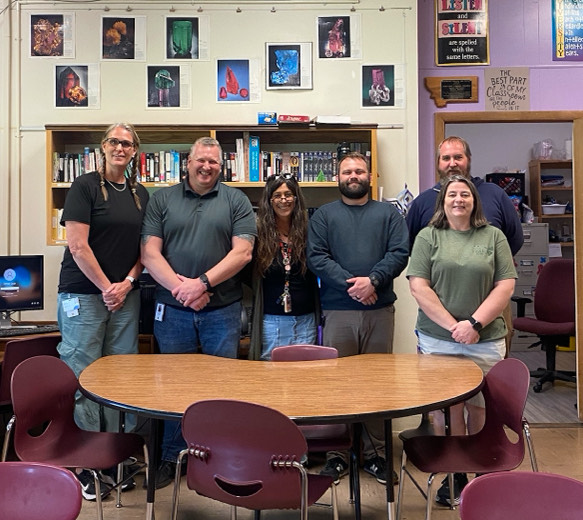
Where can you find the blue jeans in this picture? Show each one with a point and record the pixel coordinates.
(287, 330)
(96, 332)
(181, 331)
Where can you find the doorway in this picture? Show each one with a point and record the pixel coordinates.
(570, 116)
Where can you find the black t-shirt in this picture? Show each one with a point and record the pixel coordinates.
(302, 289)
(114, 231)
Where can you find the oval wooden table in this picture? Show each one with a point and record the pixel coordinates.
(344, 390)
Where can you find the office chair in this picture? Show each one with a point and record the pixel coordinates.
(554, 308)
(247, 455)
(521, 494)
(491, 449)
(15, 352)
(33, 491)
(43, 397)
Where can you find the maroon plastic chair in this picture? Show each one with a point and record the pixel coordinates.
(554, 308)
(247, 455)
(521, 494)
(17, 351)
(498, 446)
(43, 397)
(33, 491)
(320, 437)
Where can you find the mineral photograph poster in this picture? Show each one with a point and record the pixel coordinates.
(567, 30)
(461, 32)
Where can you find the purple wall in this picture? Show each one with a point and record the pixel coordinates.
(520, 36)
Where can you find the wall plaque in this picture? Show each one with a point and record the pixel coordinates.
(458, 89)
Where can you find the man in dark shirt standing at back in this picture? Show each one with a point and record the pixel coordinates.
(454, 157)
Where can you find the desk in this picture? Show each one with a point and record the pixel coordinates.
(382, 386)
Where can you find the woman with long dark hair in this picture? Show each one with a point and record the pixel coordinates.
(285, 292)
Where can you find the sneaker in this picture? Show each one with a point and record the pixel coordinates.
(460, 481)
(336, 468)
(165, 473)
(109, 476)
(377, 467)
(88, 485)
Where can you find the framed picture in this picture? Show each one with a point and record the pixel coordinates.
(182, 38)
(383, 86)
(288, 66)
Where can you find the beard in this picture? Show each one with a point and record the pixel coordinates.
(354, 191)
(444, 174)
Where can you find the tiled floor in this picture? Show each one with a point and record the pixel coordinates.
(558, 449)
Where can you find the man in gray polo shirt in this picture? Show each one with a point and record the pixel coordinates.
(196, 237)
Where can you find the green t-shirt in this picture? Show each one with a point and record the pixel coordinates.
(462, 267)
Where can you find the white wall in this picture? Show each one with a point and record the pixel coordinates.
(388, 37)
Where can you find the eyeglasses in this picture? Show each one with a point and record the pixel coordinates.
(285, 175)
(287, 197)
(114, 142)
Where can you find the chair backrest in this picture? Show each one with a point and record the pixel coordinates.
(522, 494)
(43, 397)
(505, 392)
(17, 351)
(554, 296)
(303, 353)
(33, 491)
(241, 440)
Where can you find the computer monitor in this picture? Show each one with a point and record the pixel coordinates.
(21, 285)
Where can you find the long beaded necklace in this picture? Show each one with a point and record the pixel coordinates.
(285, 298)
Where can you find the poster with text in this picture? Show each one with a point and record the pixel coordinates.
(461, 32)
(567, 30)
(51, 35)
(507, 88)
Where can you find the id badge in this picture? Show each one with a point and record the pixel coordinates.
(71, 307)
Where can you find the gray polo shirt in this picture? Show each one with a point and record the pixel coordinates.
(197, 233)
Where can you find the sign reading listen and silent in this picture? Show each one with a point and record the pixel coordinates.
(461, 32)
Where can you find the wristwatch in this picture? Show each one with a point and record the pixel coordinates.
(476, 325)
(204, 279)
(132, 280)
(374, 280)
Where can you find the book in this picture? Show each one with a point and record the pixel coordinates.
(254, 158)
(287, 119)
(332, 120)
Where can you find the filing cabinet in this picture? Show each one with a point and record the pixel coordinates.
(529, 261)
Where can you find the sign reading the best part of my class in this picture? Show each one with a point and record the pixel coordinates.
(461, 32)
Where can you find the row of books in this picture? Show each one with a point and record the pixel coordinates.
(68, 166)
(247, 164)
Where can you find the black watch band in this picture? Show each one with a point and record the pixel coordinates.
(204, 279)
(374, 280)
(476, 325)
